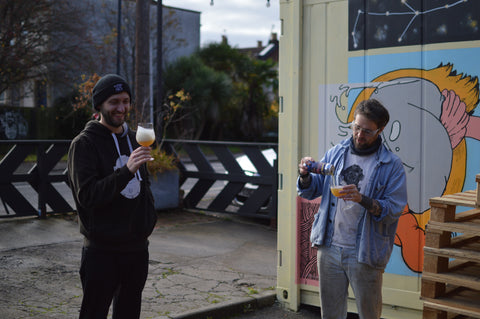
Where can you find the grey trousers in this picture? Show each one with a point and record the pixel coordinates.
(337, 268)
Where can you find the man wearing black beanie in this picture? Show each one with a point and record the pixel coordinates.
(111, 189)
(107, 86)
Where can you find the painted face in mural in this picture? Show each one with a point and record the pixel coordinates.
(416, 104)
(365, 132)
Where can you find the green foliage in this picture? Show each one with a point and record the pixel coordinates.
(70, 121)
(168, 273)
(209, 91)
(57, 122)
(234, 96)
(255, 87)
(252, 291)
(44, 126)
(162, 162)
(223, 58)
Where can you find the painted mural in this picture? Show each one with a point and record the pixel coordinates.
(432, 115)
(432, 97)
(12, 125)
(392, 23)
(434, 128)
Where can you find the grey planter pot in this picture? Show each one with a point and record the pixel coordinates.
(165, 190)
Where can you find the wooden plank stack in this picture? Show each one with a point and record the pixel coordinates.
(451, 269)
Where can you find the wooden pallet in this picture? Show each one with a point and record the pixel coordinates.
(451, 269)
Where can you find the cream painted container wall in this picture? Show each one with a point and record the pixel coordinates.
(334, 53)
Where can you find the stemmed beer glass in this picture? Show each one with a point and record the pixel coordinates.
(145, 134)
(145, 137)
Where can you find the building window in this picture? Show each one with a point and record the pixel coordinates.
(15, 96)
(40, 94)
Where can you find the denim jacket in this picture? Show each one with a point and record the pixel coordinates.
(376, 234)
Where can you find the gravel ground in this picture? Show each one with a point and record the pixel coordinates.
(196, 260)
(41, 281)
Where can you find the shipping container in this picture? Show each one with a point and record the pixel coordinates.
(421, 60)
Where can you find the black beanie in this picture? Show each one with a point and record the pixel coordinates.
(107, 86)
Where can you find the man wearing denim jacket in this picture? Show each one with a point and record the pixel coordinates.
(355, 242)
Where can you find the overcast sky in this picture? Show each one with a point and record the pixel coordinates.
(244, 22)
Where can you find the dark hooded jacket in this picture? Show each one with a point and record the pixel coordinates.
(115, 207)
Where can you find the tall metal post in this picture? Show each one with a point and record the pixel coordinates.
(142, 61)
(119, 34)
(159, 105)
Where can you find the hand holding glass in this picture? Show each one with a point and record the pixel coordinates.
(145, 134)
(336, 186)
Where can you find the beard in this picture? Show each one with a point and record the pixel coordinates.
(112, 118)
(361, 143)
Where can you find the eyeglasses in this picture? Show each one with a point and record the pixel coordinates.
(365, 131)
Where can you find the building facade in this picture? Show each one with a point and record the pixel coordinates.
(97, 51)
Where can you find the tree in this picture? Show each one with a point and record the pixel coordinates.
(38, 40)
(258, 78)
(233, 95)
(255, 85)
(58, 41)
(210, 93)
(222, 57)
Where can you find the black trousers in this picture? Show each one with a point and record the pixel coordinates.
(117, 276)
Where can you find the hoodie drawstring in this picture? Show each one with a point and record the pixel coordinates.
(137, 173)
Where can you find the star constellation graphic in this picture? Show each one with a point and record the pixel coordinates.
(386, 23)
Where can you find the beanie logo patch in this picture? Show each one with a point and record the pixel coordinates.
(118, 87)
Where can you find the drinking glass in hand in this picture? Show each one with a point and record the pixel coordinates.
(336, 186)
(145, 134)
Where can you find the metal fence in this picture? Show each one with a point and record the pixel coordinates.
(211, 176)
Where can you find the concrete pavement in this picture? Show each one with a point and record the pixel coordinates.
(201, 266)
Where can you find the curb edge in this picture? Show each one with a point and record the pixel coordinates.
(230, 308)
